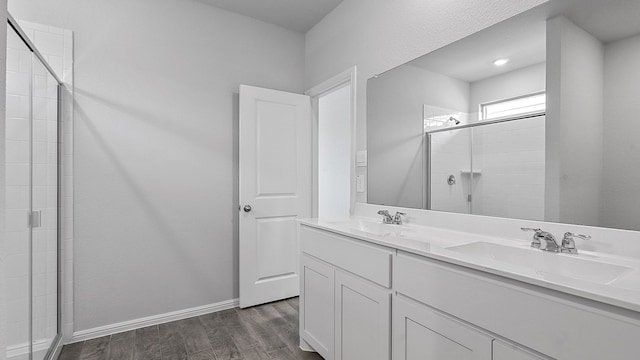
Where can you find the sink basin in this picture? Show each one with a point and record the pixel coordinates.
(546, 263)
(374, 228)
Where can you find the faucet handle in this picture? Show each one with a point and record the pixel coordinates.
(397, 219)
(569, 235)
(535, 242)
(568, 245)
(386, 217)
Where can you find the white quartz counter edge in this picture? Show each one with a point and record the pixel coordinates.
(434, 245)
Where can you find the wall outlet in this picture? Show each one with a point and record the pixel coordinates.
(360, 183)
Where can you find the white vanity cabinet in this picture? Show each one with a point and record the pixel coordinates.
(422, 333)
(555, 324)
(316, 305)
(504, 351)
(345, 296)
(362, 319)
(360, 300)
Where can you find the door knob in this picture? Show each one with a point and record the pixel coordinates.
(247, 208)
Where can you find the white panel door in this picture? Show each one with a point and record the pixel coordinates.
(275, 189)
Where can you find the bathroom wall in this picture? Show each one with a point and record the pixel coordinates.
(379, 35)
(621, 200)
(514, 83)
(574, 142)
(156, 174)
(396, 127)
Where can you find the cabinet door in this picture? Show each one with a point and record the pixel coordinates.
(363, 319)
(421, 333)
(504, 351)
(317, 305)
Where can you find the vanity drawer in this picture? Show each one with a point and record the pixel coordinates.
(369, 261)
(553, 323)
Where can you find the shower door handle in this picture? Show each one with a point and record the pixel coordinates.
(34, 219)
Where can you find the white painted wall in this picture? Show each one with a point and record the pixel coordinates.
(334, 153)
(396, 126)
(518, 82)
(621, 174)
(379, 35)
(574, 128)
(156, 147)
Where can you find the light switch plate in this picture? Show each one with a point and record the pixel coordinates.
(361, 158)
(360, 183)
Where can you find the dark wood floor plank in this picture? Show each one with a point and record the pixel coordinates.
(149, 355)
(244, 337)
(195, 335)
(211, 321)
(203, 355)
(71, 351)
(289, 314)
(282, 354)
(96, 349)
(266, 332)
(172, 342)
(271, 315)
(257, 353)
(223, 346)
(127, 335)
(147, 341)
(295, 303)
(122, 346)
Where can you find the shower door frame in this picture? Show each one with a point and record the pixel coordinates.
(56, 342)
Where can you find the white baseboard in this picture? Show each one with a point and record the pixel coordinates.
(97, 332)
(21, 351)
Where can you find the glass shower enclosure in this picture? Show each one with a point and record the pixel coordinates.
(493, 168)
(32, 135)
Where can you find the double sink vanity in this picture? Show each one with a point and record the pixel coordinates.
(371, 290)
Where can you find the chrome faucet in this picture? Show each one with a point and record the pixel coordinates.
(539, 236)
(568, 245)
(388, 219)
(397, 219)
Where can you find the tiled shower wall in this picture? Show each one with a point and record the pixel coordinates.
(511, 156)
(56, 47)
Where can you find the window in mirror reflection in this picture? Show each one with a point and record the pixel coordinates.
(514, 107)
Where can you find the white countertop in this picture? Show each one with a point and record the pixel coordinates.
(434, 243)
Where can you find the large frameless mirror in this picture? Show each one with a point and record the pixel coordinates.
(532, 118)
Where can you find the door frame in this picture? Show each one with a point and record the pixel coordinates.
(347, 77)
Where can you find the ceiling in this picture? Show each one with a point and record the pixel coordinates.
(522, 38)
(296, 15)
(518, 39)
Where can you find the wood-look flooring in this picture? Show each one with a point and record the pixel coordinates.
(266, 332)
